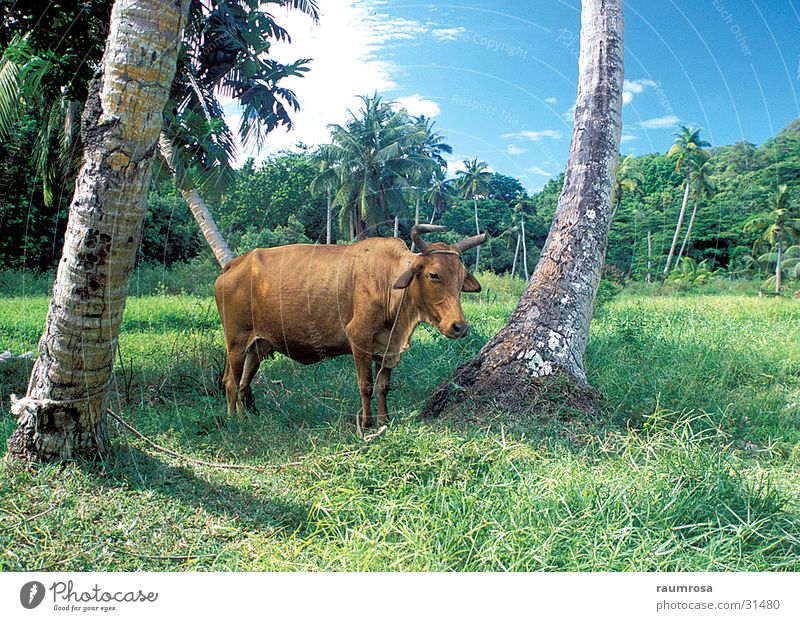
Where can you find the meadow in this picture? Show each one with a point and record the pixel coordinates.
(691, 461)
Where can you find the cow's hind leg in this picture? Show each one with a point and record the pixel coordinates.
(364, 371)
(252, 360)
(233, 374)
(382, 388)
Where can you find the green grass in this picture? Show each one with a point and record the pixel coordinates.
(693, 465)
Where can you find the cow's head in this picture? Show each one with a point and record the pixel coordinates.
(436, 279)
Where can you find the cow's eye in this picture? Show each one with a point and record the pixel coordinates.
(433, 276)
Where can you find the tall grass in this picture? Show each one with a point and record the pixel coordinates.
(691, 465)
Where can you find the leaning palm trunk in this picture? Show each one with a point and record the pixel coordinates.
(197, 206)
(677, 228)
(547, 333)
(688, 234)
(63, 414)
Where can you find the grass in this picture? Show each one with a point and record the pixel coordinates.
(692, 466)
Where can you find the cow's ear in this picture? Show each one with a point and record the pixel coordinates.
(405, 278)
(471, 284)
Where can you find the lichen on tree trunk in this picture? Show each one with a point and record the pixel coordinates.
(547, 333)
(62, 415)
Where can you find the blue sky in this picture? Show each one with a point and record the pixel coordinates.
(500, 77)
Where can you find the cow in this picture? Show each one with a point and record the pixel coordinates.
(311, 302)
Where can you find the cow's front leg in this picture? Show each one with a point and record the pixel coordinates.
(364, 372)
(382, 388)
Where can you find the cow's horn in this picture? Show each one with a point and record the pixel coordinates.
(418, 230)
(471, 242)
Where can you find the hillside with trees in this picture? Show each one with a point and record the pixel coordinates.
(274, 203)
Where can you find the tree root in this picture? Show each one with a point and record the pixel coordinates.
(475, 394)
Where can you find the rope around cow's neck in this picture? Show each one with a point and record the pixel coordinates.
(382, 428)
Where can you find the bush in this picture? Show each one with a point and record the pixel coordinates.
(292, 233)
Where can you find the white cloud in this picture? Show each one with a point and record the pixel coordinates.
(536, 170)
(453, 166)
(533, 136)
(551, 100)
(634, 87)
(448, 34)
(344, 48)
(569, 115)
(660, 122)
(513, 149)
(417, 105)
(628, 138)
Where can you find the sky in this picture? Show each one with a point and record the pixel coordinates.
(500, 78)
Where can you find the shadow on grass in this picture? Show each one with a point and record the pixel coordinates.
(134, 469)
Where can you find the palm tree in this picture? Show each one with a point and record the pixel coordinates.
(775, 227)
(472, 182)
(432, 146)
(686, 149)
(628, 179)
(326, 180)
(222, 55)
(546, 335)
(29, 81)
(439, 195)
(519, 204)
(376, 157)
(702, 186)
(63, 414)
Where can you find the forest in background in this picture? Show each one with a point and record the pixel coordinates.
(272, 203)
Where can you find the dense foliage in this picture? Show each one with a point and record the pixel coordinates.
(273, 203)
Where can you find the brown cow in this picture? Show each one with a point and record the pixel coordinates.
(312, 302)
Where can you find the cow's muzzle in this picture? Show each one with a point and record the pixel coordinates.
(458, 330)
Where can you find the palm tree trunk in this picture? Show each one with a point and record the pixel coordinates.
(779, 262)
(396, 225)
(677, 229)
(649, 255)
(617, 201)
(416, 218)
(547, 333)
(516, 255)
(478, 232)
(524, 248)
(433, 214)
(688, 233)
(63, 414)
(202, 215)
(353, 233)
(328, 216)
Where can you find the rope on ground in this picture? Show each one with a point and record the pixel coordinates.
(198, 462)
